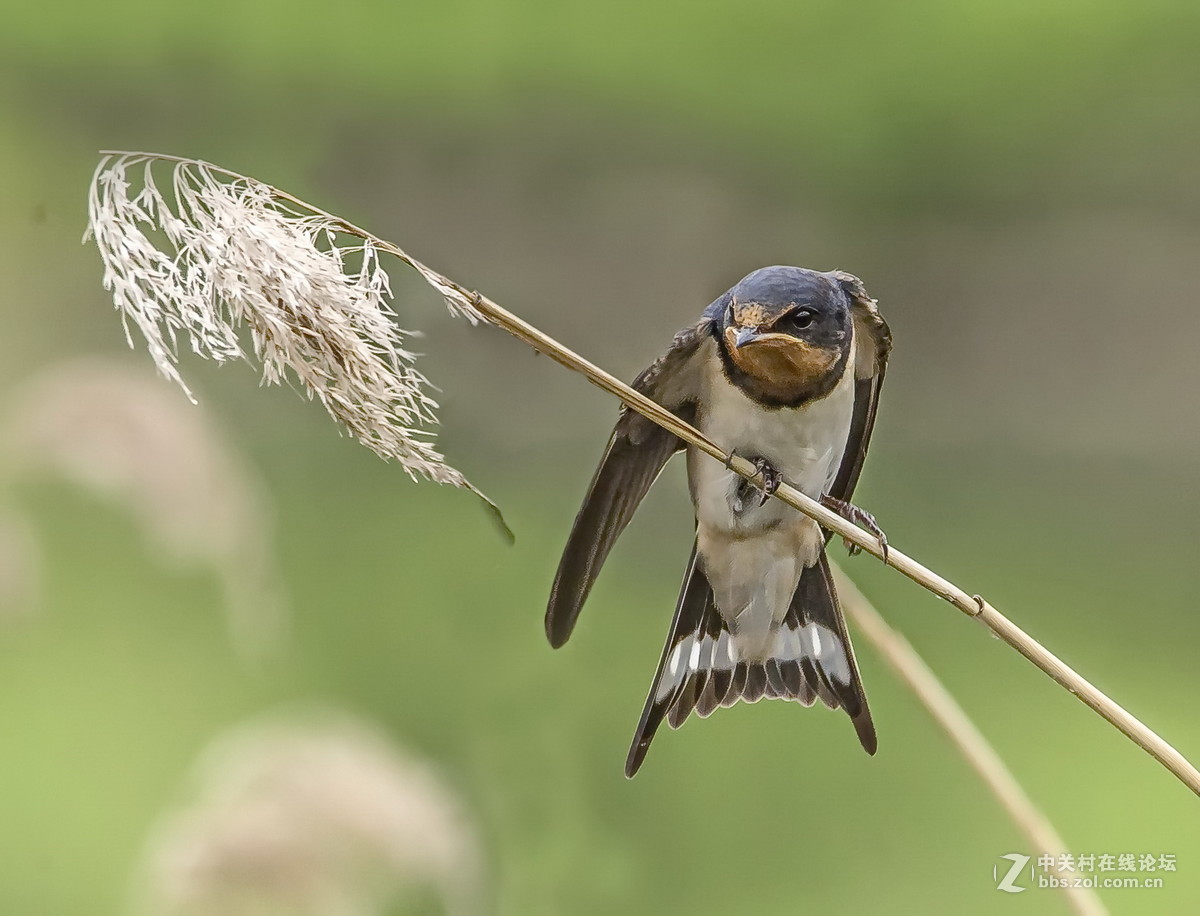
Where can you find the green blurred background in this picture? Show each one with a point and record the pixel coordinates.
(1017, 183)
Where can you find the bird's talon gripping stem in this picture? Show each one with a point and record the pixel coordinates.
(729, 460)
(771, 479)
(860, 517)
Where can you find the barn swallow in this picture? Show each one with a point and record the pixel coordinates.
(785, 370)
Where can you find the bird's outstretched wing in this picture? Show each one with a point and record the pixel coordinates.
(636, 453)
(873, 343)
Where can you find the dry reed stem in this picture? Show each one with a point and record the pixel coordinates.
(473, 303)
(966, 736)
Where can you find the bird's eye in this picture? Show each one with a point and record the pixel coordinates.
(801, 318)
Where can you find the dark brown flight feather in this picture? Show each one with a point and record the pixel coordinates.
(636, 453)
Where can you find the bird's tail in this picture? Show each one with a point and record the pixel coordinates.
(702, 668)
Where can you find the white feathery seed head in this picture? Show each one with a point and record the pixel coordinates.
(219, 252)
(312, 816)
(119, 434)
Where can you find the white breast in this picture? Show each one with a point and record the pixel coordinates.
(805, 444)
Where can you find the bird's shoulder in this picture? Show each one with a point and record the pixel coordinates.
(674, 378)
(873, 337)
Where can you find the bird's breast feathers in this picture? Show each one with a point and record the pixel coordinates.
(805, 444)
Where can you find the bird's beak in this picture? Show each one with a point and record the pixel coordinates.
(745, 336)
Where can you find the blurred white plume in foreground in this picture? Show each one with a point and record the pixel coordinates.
(123, 436)
(20, 567)
(312, 818)
(221, 251)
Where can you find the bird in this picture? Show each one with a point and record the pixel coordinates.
(784, 369)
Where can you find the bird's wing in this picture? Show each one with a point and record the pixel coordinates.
(636, 453)
(872, 343)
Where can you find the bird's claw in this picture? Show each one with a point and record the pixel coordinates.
(771, 479)
(859, 517)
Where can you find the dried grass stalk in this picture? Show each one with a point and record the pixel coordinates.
(970, 742)
(219, 252)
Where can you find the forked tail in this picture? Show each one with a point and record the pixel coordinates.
(702, 667)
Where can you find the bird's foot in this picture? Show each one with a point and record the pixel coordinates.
(860, 517)
(771, 480)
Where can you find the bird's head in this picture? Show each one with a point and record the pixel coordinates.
(788, 329)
